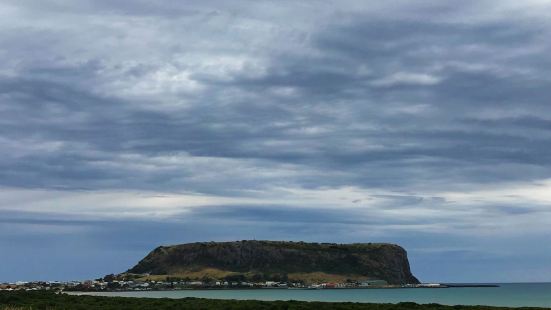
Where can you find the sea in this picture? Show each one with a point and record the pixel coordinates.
(507, 294)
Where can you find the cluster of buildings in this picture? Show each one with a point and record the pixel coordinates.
(113, 284)
(36, 285)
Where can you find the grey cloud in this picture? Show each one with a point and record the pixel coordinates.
(295, 215)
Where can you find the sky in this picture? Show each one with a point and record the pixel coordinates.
(125, 125)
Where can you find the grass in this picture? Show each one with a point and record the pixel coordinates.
(212, 273)
(321, 277)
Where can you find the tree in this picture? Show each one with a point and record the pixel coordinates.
(109, 278)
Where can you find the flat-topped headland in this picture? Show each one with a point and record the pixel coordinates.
(279, 261)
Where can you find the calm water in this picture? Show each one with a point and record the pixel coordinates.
(513, 295)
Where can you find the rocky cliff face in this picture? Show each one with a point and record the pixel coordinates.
(359, 260)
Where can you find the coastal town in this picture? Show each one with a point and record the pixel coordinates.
(110, 283)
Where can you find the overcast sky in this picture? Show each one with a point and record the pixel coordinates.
(125, 125)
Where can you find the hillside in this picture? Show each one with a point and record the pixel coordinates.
(279, 260)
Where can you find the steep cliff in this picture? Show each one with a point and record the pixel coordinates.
(268, 259)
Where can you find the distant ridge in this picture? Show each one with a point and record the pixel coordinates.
(280, 260)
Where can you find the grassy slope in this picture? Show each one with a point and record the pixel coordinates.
(197, 274)
(51, 301)
(213, 273)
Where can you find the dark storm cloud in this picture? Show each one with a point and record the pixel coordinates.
(56, 103)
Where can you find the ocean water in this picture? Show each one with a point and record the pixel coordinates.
(507, 294)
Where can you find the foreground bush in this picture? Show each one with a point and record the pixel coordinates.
(21, 300)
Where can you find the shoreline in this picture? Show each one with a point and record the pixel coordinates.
(273, 288)
(289, 288)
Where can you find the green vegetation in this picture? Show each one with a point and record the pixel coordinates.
(22, 300)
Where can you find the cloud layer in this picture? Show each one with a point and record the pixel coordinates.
(354, 121)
